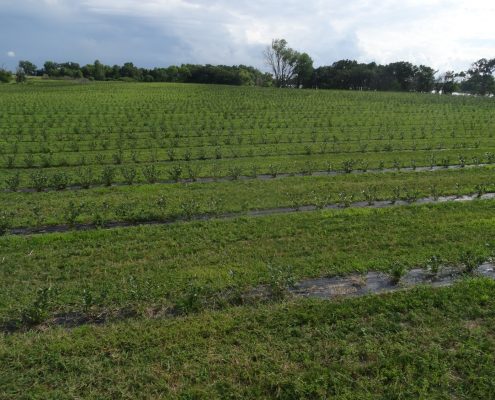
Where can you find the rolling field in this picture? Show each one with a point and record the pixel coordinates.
(152, 235)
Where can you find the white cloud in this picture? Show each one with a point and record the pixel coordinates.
(442, 33)
(11, 54)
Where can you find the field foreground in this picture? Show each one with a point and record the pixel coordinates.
(154, 240)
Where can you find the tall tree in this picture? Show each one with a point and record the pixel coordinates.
(28, 67)
(282, 60)
(480, 77)
(304, 70)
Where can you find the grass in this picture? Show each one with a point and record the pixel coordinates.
(156, 265)
(421, 344)
(147, 202)
(180, 323)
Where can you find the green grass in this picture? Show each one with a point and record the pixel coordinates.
(164, 265)
(219, 343)
(427, 343)
(148, 202)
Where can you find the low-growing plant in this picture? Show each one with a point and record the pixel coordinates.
(129, 174)
(396, 194)
(29, 160)
(171, 154)
(434, 263)
(490, 157)
(46, 160)
(193, 172)
(189, 208)
(39, 180)
(434, 192)
(254, 170)
(411, 195)
(118, 157)
(397, 164)
(363, 165)
(215, 205)
(150, 173)
(161, 203)
(9, 160)
(234, 172)
(175, 172)
(85, 177)
(370, 194)
(72, 212)
(59, 180)
(348, 166)
(280, 280)
(471, 261)
(480, 189)
(107, 175)
(38, 310)
(13, 182)
(273, 170)
(397, 271)
(345, 199)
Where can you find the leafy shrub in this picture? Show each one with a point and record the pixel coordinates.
(72, 211)
(107, 175)
(480, 189)
(59, 180)
(38, 311)
(348, 166)
(129, 174)
(189, 208)
(13, 181)
(175, 173)
(150, 173)
(85, 177)
(471, 261)
(39, 180)
(397, 271)
(234, 172)
(345, 199)
(118, 157)
(370, 194)
(434, 263)
(280, 280)
(273, 170)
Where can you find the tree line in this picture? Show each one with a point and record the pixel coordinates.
(289, 68)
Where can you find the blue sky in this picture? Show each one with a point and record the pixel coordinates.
(445, 34)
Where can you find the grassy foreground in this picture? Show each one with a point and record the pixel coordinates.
(190, 262)
(422, 344)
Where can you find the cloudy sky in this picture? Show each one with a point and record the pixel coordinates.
(445, 34)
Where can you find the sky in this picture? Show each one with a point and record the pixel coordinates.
(443, 34)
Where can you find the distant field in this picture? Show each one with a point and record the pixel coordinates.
(200, 307)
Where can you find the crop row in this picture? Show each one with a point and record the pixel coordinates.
(157, 202)
(167, 264)
(122, 168)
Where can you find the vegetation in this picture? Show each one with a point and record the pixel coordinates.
(289, 68)
(217, 198)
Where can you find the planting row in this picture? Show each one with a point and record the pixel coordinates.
(177, 265)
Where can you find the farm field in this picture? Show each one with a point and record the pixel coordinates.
(152, 234)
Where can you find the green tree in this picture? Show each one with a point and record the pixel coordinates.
(99, 71)
(5, 76)
(282, 60)
(425, 79)
(480, 77)
(304, 70)
(28, 67)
